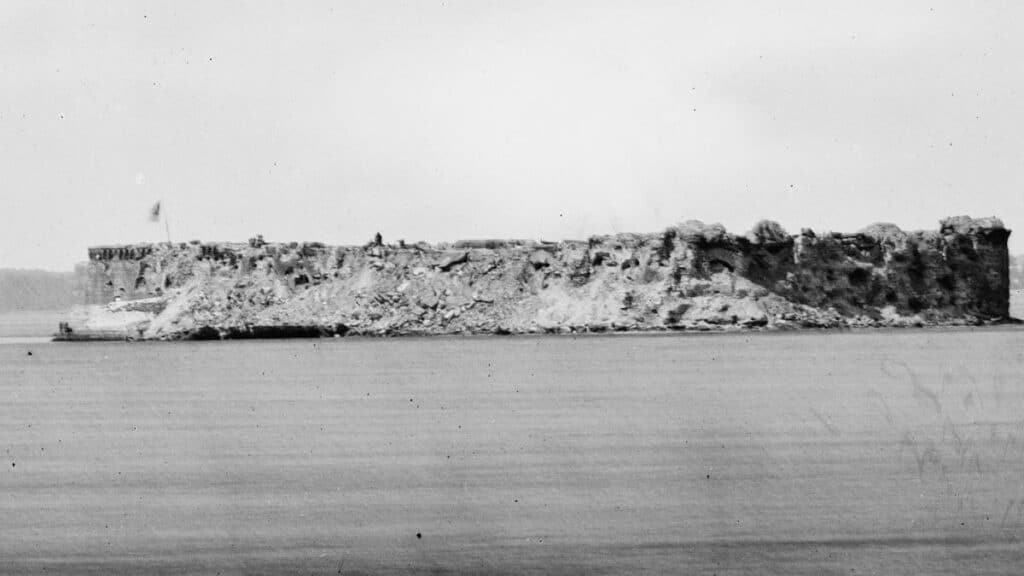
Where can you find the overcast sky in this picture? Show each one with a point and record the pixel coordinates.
(445, 120)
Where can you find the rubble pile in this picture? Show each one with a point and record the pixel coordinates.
(690, 277)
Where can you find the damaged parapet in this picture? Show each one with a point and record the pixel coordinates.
(963, 268)
(131, 252)
(689, 276)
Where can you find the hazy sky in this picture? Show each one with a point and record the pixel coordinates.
(445, 120)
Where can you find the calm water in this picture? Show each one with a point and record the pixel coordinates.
(809, 453)
(29, 324)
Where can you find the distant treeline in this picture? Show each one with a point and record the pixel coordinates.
(38, 290)
(1017, 272)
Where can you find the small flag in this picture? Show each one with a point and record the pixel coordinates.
(154, 213)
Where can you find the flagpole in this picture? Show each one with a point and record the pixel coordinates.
(155, 213)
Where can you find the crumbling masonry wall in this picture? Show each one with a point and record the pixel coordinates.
(961, 269)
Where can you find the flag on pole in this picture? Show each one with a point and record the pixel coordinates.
(154, 213)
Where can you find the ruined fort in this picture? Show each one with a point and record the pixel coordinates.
(690, 276)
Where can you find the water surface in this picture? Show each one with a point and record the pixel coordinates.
(798, 453)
